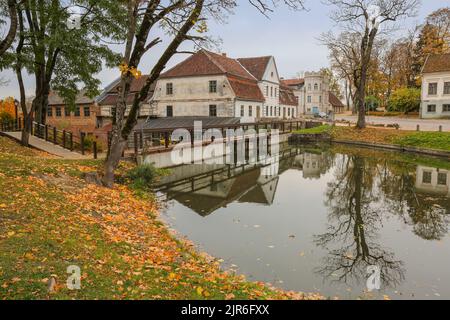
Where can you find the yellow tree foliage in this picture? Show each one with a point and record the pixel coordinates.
(7, 106)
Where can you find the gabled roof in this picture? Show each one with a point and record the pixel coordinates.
(109, 96)
(246, 89)
(437, 63)
(287, 97)
(81, 98)
(293, 82)
(205, 63)
(335, 101)
(256, 66)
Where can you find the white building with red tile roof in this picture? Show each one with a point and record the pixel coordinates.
(314, 95)
(436, 87)
(214, 85)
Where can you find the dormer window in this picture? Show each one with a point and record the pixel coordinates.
(169, 88)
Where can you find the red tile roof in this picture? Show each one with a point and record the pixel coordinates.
(335, 101)
(257, 66)
(293, 82)
(207, 63)
(246, 89)
(287, 97)
(437, 63)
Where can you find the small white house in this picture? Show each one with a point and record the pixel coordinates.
(436, 87)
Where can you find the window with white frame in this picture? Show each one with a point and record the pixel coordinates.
(432, 89)
(431, 108)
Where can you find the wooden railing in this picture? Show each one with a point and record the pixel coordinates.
(15, 125)
(162, 135)
(65, 139)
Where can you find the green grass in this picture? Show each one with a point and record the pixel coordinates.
(429, 140)
(317, 130)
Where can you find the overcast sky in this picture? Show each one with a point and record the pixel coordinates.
(289, 36)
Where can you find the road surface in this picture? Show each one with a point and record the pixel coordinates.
(405, 123)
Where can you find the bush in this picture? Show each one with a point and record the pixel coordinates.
(405, 100)
(6, 117)
(142, 176)
(89, 142)
(372, 103)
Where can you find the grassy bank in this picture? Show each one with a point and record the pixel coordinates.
(51, 219)
(426, 140)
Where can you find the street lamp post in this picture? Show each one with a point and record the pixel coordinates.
(16, 111)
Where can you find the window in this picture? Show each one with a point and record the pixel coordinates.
(87, 111)
(169, 88)
(77, 112)
(169, 111)
(267, 91)
(271, 111)
(432, 89)
(446, 108)
(212, 86)
(446, 87)
(309, 99)
(242, 111)
(431, 108)
(271, 74)
(427, 177)
(213, 110)
(309, 87)
(58, 111)
(271, 91)
(289, 112)
(66, 111)
(316, 87)
(50, 112)
(442, 179)
(250, 111)
(320, 99)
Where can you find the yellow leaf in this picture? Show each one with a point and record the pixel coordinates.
(200, 291)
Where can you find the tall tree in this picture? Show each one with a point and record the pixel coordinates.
(367, 18)
(11, 8)
(60, 57)
(183, 20)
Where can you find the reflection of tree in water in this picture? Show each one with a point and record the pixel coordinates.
(427, 213)
(354, 227)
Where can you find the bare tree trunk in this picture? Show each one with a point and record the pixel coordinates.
(6, 43)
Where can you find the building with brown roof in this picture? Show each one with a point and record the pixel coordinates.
(436, 87)
(79, 118)
(208, 84)
(314, 94)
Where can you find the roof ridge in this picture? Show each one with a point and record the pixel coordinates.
(210, 57)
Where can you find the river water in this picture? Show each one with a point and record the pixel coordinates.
(322, 219)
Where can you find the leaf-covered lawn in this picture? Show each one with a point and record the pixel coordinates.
(51, 219)
(428, 140)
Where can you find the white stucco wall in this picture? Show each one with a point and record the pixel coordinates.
(439, 99)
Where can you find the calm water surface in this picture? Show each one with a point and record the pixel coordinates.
(319, 219)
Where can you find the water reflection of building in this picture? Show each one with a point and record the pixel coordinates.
(432, 180)
(313, 165)
(216, 189)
